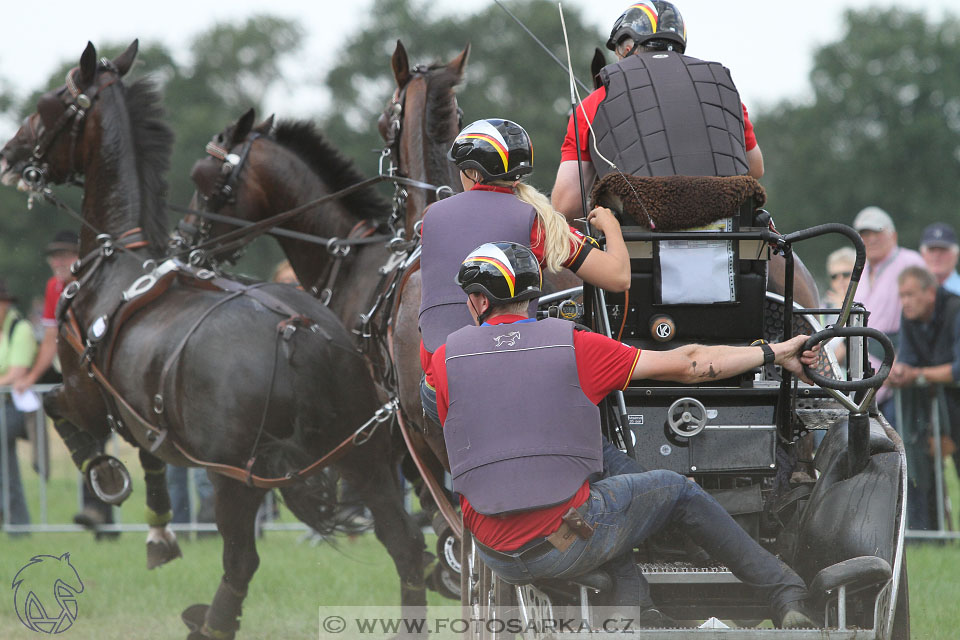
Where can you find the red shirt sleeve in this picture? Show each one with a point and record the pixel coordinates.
(569, 149)
(438, 369)
(749, 137)
(603, 364)
(577, 252)
(50, 297)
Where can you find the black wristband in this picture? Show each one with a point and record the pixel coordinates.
(768, 355)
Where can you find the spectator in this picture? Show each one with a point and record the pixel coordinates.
(929, 353)
(839, 269)
(878, 284)
(284, 273)
(180, 499)
(938, 246)
(17, 351)
(61, 253)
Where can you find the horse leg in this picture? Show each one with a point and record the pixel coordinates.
(378, 488)
(236, 513)
(162, 544)
(106, 476)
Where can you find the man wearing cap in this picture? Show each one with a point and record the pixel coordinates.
(658, 112)
(939, 249)
(17, 350)
(929, 354)
(878, 284)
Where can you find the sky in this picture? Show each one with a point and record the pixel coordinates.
(767, 44)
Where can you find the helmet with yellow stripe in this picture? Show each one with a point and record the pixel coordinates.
(654, 24)
(503, 272)
(498, 149)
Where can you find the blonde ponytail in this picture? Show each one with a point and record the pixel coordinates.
(555, 232)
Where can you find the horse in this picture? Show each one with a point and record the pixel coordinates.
(153, 343)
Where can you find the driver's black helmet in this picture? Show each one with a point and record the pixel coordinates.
(650, 23)
(498, 149)
(502, 271)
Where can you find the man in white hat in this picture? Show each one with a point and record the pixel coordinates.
(878, 284)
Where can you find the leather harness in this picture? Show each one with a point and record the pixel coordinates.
(102, 334)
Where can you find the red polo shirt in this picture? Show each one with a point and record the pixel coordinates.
(603, 365)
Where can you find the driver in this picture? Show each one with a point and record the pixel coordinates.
(517, 399)
(493, 156)
(658, 113)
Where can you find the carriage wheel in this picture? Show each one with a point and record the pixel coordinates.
(901, 614)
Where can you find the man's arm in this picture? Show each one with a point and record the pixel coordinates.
(695, 363)
(48, 349)
(565, 196)
(755, 162)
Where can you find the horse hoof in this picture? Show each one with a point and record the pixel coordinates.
(194, 616)
(108, 479)
(161, 552)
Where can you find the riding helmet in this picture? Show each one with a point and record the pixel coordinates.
(502, 271)
(498, 149)
(650, 23)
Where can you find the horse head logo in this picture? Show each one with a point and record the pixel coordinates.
(45, 593)
(509, 339)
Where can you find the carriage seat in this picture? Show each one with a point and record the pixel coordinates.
(711, 290)
(597, 580)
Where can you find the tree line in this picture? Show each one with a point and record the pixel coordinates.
(881, 124)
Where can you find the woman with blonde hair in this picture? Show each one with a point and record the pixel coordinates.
(493, 156)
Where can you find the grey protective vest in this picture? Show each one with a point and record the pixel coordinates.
(520, 433)
(667, 114)
(452, 228)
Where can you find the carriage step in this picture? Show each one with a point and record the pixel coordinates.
(685, 572)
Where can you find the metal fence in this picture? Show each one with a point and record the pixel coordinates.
(922, 420)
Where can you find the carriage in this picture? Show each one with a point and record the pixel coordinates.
(835, 515)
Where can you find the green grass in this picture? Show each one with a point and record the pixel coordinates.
(122, 600)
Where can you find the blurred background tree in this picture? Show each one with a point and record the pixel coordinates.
(881, 127)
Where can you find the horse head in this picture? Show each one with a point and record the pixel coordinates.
(418, 126)
(48, 145)
(217, 176)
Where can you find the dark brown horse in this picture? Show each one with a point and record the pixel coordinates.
(162, 352)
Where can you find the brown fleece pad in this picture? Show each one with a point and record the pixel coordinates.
(676, 202)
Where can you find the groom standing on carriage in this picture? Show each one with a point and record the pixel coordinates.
(676, 133)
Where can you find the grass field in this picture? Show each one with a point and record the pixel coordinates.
(122, 600)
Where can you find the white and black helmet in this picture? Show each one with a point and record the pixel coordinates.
(499, 149)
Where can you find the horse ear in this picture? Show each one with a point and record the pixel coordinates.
(88, 64)
(599, 62)
(265, 127)
(458, 64)
(244, 125)
(124, 61)
(400, 64)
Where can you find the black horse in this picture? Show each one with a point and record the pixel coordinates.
(257, 382)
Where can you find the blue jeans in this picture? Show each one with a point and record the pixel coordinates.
(179, 490)
(626, 509)
(16, 428)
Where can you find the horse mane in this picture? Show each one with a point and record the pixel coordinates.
(441, 85)
(337, 171)
(152, 142)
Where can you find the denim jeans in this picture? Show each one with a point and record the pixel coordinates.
(16, 428)
(179, 489)
(626, 509)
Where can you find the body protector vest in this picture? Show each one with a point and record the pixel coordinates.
(668, 114)
(452, 228)
(520, 432)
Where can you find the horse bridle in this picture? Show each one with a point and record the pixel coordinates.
(34, 174)
(391, 150)
(225, 192)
